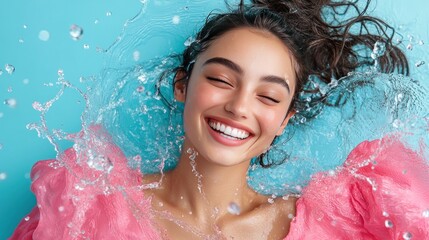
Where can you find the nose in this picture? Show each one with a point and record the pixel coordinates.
(238, 105)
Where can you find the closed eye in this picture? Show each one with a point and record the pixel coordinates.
(270, 99)
(219, 81)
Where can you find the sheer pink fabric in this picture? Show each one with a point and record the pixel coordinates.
(381, 192)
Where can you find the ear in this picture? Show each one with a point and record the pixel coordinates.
(180, 86)
(285, 122)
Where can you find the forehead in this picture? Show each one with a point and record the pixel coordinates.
(257, 52)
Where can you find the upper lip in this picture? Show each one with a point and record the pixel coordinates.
(231, 123)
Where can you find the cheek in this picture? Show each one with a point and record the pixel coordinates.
(271, 120)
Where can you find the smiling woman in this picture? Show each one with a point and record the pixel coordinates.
(241, 81)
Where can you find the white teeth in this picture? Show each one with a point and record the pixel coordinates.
(229, 131)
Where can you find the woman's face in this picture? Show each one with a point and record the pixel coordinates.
(237, 97)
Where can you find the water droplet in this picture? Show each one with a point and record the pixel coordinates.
(233, 208)
(3, 176)
(60, 73)
(407, 236)
(290, 216)
(96, 21)
(108, 13)
(1, 146)
(385, 214)
(26, 81)
(161, 204)
(136, 55)
(44, 35)
(270, 200)
(1, 114)
(421, 42)
(410, 46)
(85, 46)
(1, 72)
(27, 218)
(76, 32)
(378, 50)
(420, 63)
(142, 78)
(11, 102)
(24, 26)
(61, 208)
(21, 40)
(140, 89)
(9, 89)
(37, 106)
(388, 224)
(176, 19)
(9, 68)
(425, 213)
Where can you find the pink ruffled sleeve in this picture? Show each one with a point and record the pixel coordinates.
(79, 201)
(381, 192)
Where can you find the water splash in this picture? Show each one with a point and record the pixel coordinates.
(44, 35)
(234, 208)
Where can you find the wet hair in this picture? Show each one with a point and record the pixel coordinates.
(327, 39)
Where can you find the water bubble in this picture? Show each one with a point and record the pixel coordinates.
(407, 236)
(26, 81)
(96, 21)
(233, 208)
(85, 46)
(108, 13)
(9, 68)
(11, 102)
(385, 214)
(9, 89)
(421, 42)
(378, 50)
(1, 72)
(1, 146)
(425, 213)
(27, 218)
(419, 63)
(44, 35)
(76, 32)
(3, 176)
(142, 78)
(161, 204)
(61, 208)
(388, 224)
(290, 216)
(410, 46)
(24, 26)
(21, 40)
(176, 19)
(136, 55)
(270, 200)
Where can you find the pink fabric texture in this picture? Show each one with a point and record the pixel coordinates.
(379, 193)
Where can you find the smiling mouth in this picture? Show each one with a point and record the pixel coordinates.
(228, 131)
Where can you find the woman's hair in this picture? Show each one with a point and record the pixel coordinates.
(327, 39)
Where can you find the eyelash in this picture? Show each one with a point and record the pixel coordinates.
(227, 83)
(219, 80)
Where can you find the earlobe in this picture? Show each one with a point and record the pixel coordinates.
(285, 122)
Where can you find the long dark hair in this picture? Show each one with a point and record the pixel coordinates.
(328, 39)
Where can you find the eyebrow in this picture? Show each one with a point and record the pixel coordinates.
(236, 68)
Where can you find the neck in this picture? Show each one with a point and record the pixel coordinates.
(206, 189)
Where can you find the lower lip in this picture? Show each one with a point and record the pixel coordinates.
(224, 140)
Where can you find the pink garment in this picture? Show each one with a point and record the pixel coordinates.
(379, 193)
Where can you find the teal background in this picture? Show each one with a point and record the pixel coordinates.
(38, 61)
